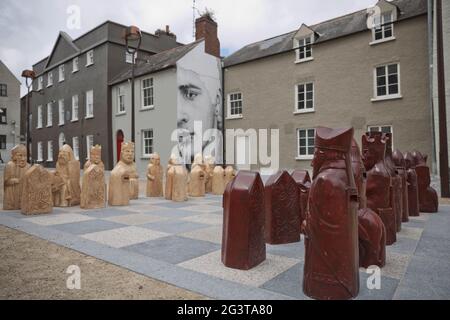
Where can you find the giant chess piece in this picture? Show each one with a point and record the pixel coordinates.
(243, 243)
(93, 190)
(218, 181)
(197, 177)
(303, 180)
(396, 187)
(282, 204)
(66, 187)
(371, 230)
(331, 268)
(428, 198)
(379, 182)
(400, 164)
(119, 191)
(179, 177)
(13, 176)
(155, 175)
(230, 173)
(209, 168)
(36, 191)
(95, 157)
(169, 177)
(413, 188)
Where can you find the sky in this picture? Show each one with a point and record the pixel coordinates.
(30, 27)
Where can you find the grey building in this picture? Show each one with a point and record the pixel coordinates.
(71, 98)
(9, 111)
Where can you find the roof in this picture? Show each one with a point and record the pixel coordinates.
(13, 76)
(327, 30)
(156, 62)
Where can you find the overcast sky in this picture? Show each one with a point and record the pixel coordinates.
(30, 27)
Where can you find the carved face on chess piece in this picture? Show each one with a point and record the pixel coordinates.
(96, 154)
(65, 155)
(156, 159)
(19, 155)
(127, 154)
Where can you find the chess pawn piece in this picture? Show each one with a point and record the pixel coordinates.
(243, 207)
(120, 181)
(197, 177)
(36, 191)
(413, 191)
(95, 157)
(282, 209)
(379, 182)
(180, 180)
(428, 198)
(218, 181)
(169, 177)
(303, 180)
(93, 191)
(331, 268)
(12, 178)
(209, 168)
(68, 190)
(400, 164)
(155, 177)
(230, 173)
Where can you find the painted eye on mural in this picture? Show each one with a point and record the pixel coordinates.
(190, 92)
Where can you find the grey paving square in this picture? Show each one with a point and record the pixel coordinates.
(414, 223)
(54, 219)
(105, 212)
(433, 271)
(433, 247)
(90, 226)
(438, 227)
(204, 208)
(174, 205)
(174, 213)
(136, 219)
(174, 226)
(387, 289)
(212, 234)
(396, 264)
(173, 249)
(411, 233)
(291, 250)
(289, 283)
(207, 218)
(403, 245)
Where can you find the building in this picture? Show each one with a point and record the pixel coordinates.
(336, 73)
(71, 99)
(173, 89)
(9, 112)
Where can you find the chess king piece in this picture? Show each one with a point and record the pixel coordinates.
(282, 204)
(197, 177)
(95, 157)
(303, 181)
(428, 198)
(120, 185)
(218, 181)
(371, 230)
(36, 191)
(396, 181)
(93, 190)
(331, 268)
(155, 174)
(400, 164)
(413, 191)
(209, 168)
(230, 173)
(243, 204)
(12, 178)
(379, 182)
(66, 190)
(169, 177)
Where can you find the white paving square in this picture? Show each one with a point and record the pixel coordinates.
(62, 218)
(135, 219)
(203, 208)
(146, 208)
(423, 217)
(396, 265)
(211, 234)
(212, 219)
(411, 233)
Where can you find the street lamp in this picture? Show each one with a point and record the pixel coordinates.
(29, 76)
(131, 35)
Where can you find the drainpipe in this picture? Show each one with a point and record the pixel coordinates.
(223, 114)
(431, 83)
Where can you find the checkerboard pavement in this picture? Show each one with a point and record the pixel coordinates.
(180, 243)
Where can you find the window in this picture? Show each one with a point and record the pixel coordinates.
(305, 97)
(89, 145)
(3, 90)
(61, 73)
(61, 112)
(89, 58)
(90, 104)
(235, 105)
(130, 58)
(39, 117)
(75, 108)
(121, 100)
(304, 51)
(75, 63)
(305, 143)
(147, 142)
(50, 151)
(61, 140)
(387, 81)
(2, 142)
(40, 83)
(76, 147)
(49, 114)
(384, 129)
(147, 93)
(40, 151)
(383, 27)
(50, 79)
(3, 117)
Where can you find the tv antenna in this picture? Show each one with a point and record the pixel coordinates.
(193, 18)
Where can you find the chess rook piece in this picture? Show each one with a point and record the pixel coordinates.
(371, 230)
(209, 168)
(331, 268)
(95, 157)
(155, 177)
(230, 173)
(378, 187)
(218, 181)
(36, 191)
(282, 204)
(93, 190)
(400, 164)
(197, 177)
(119, 191)
(243, 205)
(396, 184)
(428, 198)
(179, 186)
(303, 180)
(66, 181)
(12, 178)
(413, 191)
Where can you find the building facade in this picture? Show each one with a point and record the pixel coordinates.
(9, 112)
(337, 73)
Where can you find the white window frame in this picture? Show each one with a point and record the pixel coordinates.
(75, 108)
(302, 43)
(152, 96)
(50, 151)
(121, 100)
(49, 79)
(297, 110)
(89, 104)
(89, 145)
(130, 58)
(144, 139)
(40, 83)
(380, 127)
(49, 114)
(89, 58)
(75, 64)
(61, 72)
(229, 102)
(39, 117)
(387, 96)
(76, 147)
(61, 112)
(383, 28)
(40, 151)
(306, 156)
(61, 140)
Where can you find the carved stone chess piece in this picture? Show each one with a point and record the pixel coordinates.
(428, 198)
(396, 187)
(13, 176)
(400, 164)
(169, 177)
(93, 190)
(331, 268)
(95, 157)
(230, 173)
(282, 204)
(243, 205)
(155, 173)
(36, 191)
(120, 185)
(218, 181)
(303, 180)
(209, 168)
(66, 182)
(179, 176)
(379, 182)
(413, 190)
(197, 177)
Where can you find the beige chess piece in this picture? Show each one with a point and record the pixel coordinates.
(230, 173)
(180, 181)
(66, 180)
(197, 177)
(120, 182)
(209, 168)
(36, 191)
(155, 177)
(169, 177)
(218, 181)
(93, 191)
(13, 176)
(95, 158)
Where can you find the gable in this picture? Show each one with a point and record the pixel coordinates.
(303, 32)
(384, 6)
(4, 71)
(64, 47)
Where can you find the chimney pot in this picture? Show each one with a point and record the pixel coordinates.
(206, 28)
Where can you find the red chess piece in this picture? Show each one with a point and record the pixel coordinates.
(413, 192)
(400, 165)
(396, 188)
(303, 181)
(428, 198)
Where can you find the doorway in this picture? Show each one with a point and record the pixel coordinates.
(119, 139)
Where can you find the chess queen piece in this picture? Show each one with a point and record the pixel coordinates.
(400, 164)
(66, 187)
(303, 180)
(218, 181)
(120, 188)
(155, 177)
(428, 198)
(95, 157)
(209, 168)
(413, 191)
(36, 191)
(197, 177)
(331, 268)
(12, 178)
(396, 181)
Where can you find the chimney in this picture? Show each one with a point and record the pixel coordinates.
(206, 28)
(166, 33)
